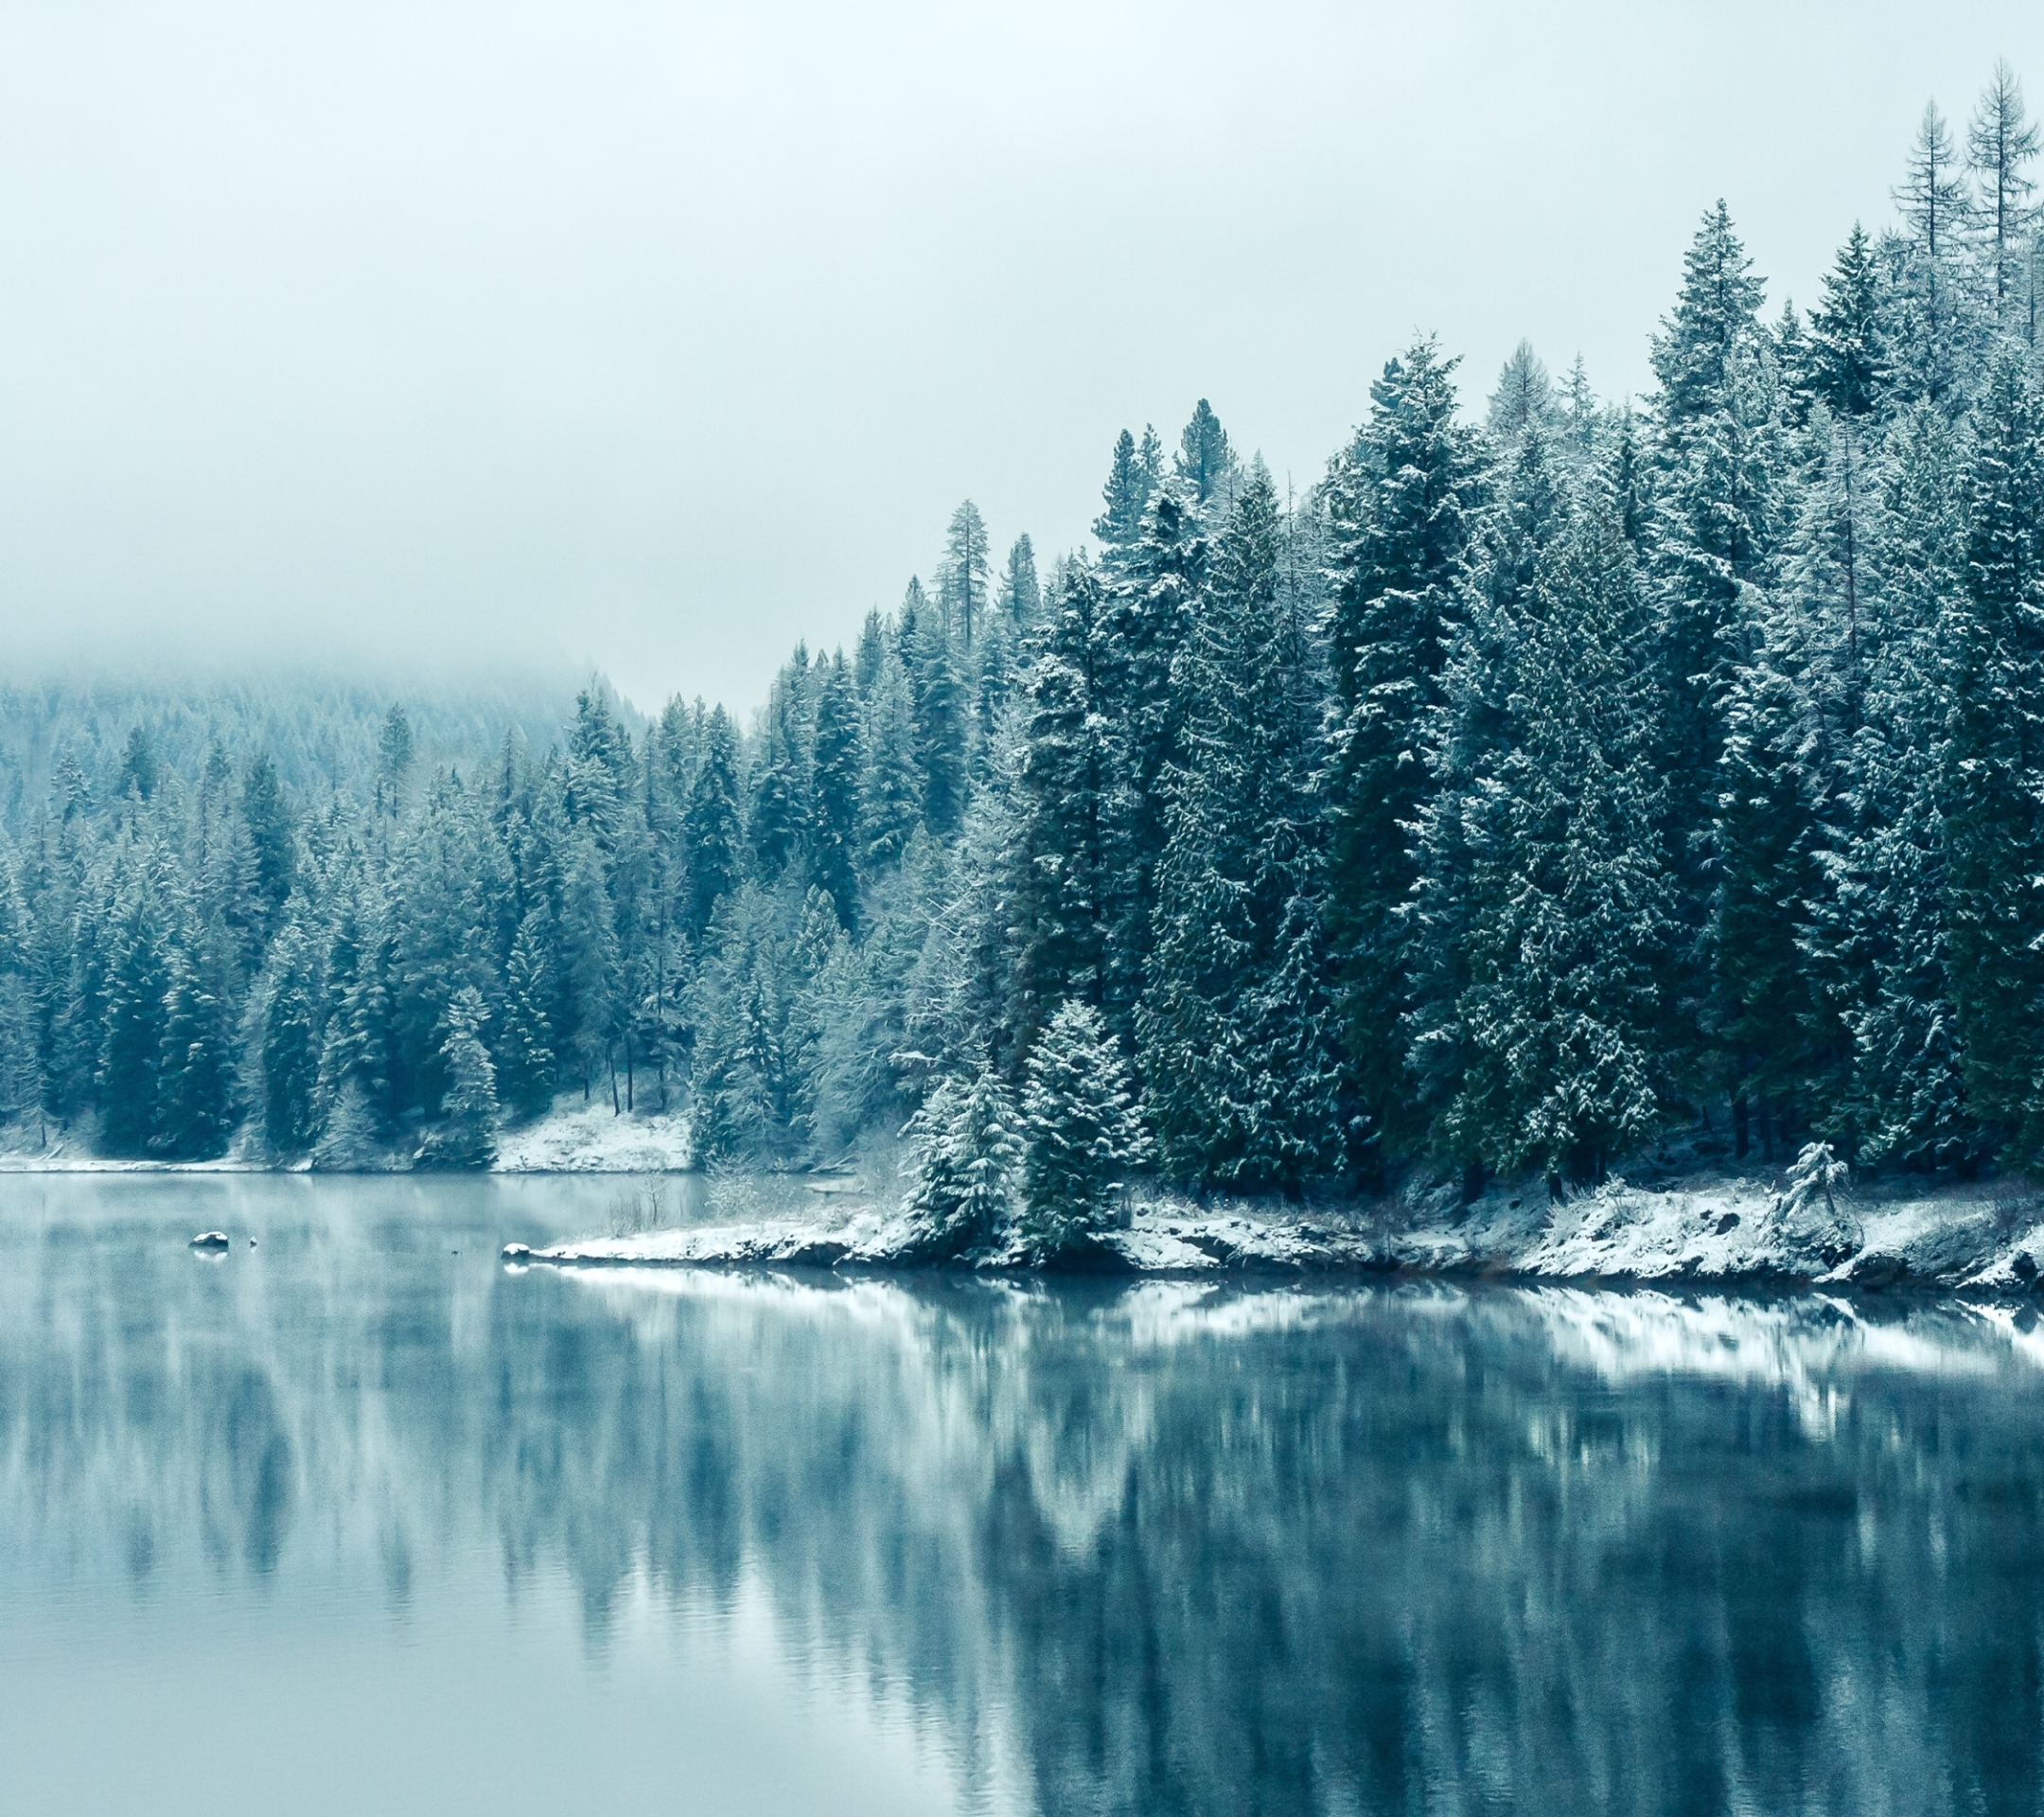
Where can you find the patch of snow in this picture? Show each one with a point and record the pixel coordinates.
(592, 1140)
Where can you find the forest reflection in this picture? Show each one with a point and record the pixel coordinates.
(1171, 1547)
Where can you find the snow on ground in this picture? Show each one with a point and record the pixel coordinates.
(592, 1139)
(1698, 1231)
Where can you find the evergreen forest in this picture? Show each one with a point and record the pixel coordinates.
(1554, 775)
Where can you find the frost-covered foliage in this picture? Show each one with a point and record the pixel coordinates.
(1509, 797)
(967, 1146)
(1082, 1134)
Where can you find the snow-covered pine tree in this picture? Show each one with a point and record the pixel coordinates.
(965, 577)
(1081, 1132)
(1465, 741)
(1068, 770)
(1123, 499)
(1021, 596)
(780, 808)
(1886, 935)
(1849, 362)
(195, 1076)
(1718, 516)
(1237, 1038)
(1401, 498)
(465, 1134)
(526, 1067)
(293, 1036)
(1993, 637)
(938, 700)
(713, 824)
(965, 1149)
(1525, 398)
(1763, 1014)
(832, 841)
(1564, 1023)
(1205, 463)
(1149, 611)
(137, 977)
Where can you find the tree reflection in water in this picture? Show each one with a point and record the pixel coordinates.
(1158, 1547)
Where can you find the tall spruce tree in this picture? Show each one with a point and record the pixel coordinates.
(965, 577)
(1560, 1028)
(1994, 766)
(1239, 1045)
(1082, 1133)
(1848, 362)
(1401, 498)
(1068, 770)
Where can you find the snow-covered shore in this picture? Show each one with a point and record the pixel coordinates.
(1726, 1231)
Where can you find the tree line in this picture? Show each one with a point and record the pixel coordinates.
(1520, 792)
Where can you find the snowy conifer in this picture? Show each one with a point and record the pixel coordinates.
(1083, 1135)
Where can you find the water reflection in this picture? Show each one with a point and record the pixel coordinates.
(1154, 1548)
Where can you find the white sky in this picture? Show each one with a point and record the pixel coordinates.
(658, 337)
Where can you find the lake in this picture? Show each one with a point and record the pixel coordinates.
(358, 1519)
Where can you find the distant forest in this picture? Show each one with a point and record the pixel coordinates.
(1524, 791)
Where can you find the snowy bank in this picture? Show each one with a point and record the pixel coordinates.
(1698, 1231)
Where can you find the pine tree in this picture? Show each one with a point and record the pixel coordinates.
(780, 808)
(1237, 1040)
(1146, 623)
(1402, 498)
(194, 1077)
(965, 577)
(21, 1077)
(2001, 142)
(1081, 1132)
(137, 979)
(834, 830)
(891, 784)
(1123, 499)
(1061, 859)
(139, 770)
(466, 1134)
(1205, 463)
(1796, 368)
(273, 850)
(1994, 766)
(1849, 366)
(393, 761)
(292, 1037)
(1887, 940)
(1524, 398)
(712, 824)
(1021, 597)
(966, 1152)
(1932, 196)
(1764, 835)
(525, 1066)
(587, 965)
(1466, 741)
(1717, 524)
(938, 703)
(1561, 1029)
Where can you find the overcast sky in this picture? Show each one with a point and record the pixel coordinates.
(658, 337)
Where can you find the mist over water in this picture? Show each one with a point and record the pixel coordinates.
(351, 1501)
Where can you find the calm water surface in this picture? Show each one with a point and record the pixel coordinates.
(349, 1522)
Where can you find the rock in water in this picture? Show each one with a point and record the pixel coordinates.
(210, 1240)
(516, 1251)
